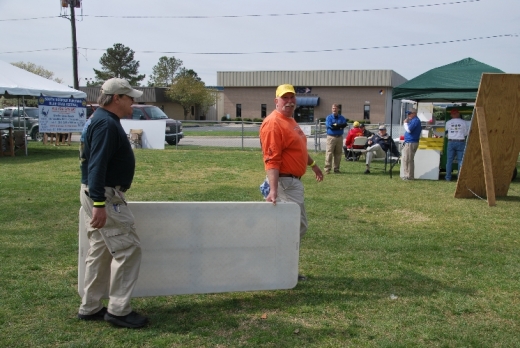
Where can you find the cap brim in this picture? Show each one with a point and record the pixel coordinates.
(134, 93)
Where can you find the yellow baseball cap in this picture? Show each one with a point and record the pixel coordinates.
(282, 89)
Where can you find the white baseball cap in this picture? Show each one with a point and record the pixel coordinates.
(120, 86)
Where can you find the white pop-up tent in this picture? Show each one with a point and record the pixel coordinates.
(16, 82)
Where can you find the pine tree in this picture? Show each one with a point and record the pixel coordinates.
(118, 62)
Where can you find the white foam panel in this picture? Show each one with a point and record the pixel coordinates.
(211, 247)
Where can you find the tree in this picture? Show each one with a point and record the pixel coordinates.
(164, 72)
(38, 70)
(188, 90)
(118, 62)
(188, 73)
(209, 99)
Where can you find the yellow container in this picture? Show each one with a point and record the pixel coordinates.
(431, 143)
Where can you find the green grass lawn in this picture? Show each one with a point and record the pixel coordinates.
(390, 263)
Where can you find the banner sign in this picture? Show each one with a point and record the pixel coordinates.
(61, 115)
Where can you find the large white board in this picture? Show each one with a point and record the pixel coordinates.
(211, 247)
(427, 164)
(153, 132)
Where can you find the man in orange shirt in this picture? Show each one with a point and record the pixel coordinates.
(284, 148)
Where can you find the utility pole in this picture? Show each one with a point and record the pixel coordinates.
(72, 4)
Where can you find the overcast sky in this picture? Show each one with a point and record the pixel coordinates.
(342, 35)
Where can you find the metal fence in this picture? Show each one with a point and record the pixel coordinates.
(245, 134)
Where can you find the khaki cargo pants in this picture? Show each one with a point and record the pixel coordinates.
(114, 256)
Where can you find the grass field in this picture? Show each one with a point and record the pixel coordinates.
(390, 263)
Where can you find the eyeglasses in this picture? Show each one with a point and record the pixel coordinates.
(125, 95)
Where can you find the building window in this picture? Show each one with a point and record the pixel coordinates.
(366, 112)
(264, 110)
(239, 110)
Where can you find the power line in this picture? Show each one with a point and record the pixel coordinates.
(282, 52)
(261, 15)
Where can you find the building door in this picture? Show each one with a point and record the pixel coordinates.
(304, 114)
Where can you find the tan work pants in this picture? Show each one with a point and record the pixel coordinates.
(291, 190)
(407, 160)
(114, 256)
(333, 153)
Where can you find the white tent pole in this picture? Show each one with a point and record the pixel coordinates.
(24, 126)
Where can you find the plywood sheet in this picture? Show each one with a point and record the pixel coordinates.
(210, 247)
(499, 96)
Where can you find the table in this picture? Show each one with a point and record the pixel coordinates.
(210, 247)
(59, 138)
(7, 126)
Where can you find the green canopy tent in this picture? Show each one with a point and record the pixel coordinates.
(451, 83)
(455, 82)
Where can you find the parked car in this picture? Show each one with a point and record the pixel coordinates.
(30, 119)
(151, 112)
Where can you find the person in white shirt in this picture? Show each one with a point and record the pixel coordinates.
(456, 132)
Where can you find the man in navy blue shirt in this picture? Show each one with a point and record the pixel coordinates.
(107, 171)
(413, 128)
(335, 124)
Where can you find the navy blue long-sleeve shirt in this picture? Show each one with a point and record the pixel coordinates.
(385, 142)
(108, 158)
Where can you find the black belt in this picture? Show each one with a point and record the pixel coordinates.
(456, 140)
(289, 176)
(335, 136)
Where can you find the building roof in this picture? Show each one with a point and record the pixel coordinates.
(150, 94)
(315, 78)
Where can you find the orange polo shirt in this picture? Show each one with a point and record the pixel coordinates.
(284, 145)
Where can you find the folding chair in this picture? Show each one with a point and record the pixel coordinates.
(388, 158)
(135, 138)
(360, 143)
(20, 141)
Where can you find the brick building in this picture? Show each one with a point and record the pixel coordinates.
(362, 94)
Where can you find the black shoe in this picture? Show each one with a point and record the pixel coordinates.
(337, 172)
(99, 315)
(301, 277)
(367, 171)
(131, 320)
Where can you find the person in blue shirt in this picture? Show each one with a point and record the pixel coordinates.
(335, 124)
(413, 128)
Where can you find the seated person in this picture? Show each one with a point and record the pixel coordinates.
(356, 131)
(378, 145)
(366, 132)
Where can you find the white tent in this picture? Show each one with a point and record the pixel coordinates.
(16, 82)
